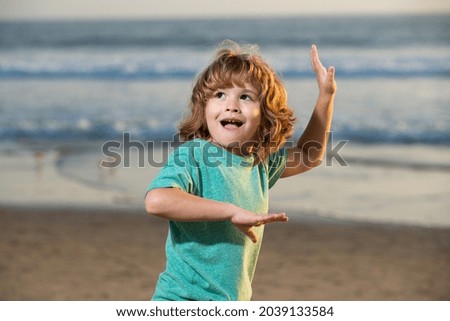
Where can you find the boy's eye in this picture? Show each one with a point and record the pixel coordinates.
(246, 97)
(220, 94)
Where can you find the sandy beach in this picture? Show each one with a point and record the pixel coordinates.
(71, 230)
(64, 254)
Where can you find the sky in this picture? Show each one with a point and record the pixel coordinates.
(159, 9)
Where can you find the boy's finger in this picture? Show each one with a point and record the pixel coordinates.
(331, 71)
(252, 235)
(315, 61)
(280, 217)
(313, 50)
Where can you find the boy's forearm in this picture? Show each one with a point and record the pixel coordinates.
(175, 204)
(314, 139)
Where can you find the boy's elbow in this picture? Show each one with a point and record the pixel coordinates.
(315, 163)
(154, 202)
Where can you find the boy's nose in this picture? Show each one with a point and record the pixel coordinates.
(232, 106)
(232, 109)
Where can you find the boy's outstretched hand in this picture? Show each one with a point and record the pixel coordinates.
(325, 78)
(245, 220)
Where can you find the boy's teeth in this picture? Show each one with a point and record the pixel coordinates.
(231, 123)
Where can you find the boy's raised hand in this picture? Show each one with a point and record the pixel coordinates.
(325, 78)
(245, 220)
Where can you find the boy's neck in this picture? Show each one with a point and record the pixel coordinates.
(243, 151)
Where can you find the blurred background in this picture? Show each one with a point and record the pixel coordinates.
(76, 76)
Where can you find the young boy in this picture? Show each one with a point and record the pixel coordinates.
(214, 188)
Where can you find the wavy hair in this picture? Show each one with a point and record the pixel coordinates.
(236, 65)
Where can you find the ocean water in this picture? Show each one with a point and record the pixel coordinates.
(94, 80)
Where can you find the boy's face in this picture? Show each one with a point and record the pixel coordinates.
(233, 116)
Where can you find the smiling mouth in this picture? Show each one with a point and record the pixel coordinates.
(231, 123)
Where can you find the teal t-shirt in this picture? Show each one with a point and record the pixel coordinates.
(214, 260)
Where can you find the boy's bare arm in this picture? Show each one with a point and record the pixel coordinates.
(311, 146)
(177, 205)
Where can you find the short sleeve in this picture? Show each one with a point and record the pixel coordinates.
(180, 172)
(276, 165)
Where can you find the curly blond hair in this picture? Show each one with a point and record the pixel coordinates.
(236, 65)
